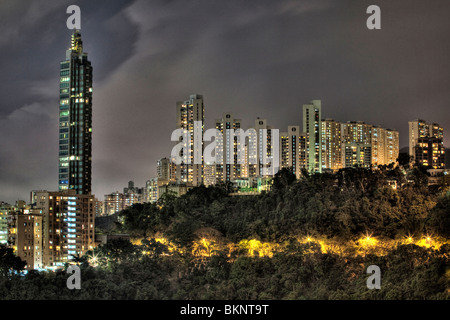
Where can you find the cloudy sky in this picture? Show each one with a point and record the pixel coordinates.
(254, 58)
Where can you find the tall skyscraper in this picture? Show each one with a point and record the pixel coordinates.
(312, 126)
(191, 117)
(75, 119)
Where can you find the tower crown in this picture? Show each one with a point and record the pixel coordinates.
(76, 43)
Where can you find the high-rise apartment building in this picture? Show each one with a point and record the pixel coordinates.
(426, 144)
(68, 224)
(421, 129)
(331, 145)
(112, 203)
(166, 170)
(292, 150)
(263, 150)
(436, 131)
(391, 146)
(228, 151)
(312, 126)
(430, 152)
(378, 146)
(151, 189)
(5, 211)
(245, 166)
(209, 174)
(356, 144)
(26, 236)
(365, 145)
(191, 117)
(75, 119)
(118, 201)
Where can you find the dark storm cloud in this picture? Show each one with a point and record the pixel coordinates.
(253, 58)
(34, 39)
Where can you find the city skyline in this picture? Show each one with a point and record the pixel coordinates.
(128, 129)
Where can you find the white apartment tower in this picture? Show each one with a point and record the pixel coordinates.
(191, 117)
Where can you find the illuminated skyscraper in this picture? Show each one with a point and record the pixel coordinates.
(191, 117)
(228, 167)
(75, 119)
(331, 145)
(312, 126)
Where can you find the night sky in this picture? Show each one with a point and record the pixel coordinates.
(254, 58)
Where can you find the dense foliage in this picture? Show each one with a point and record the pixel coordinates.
(341, 206)
(344, 205)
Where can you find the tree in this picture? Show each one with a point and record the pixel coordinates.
(9, 263)
(419, 176)
(283, 179)
(140, 219)
(439, 218)
(404, 159)
(167, 199)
